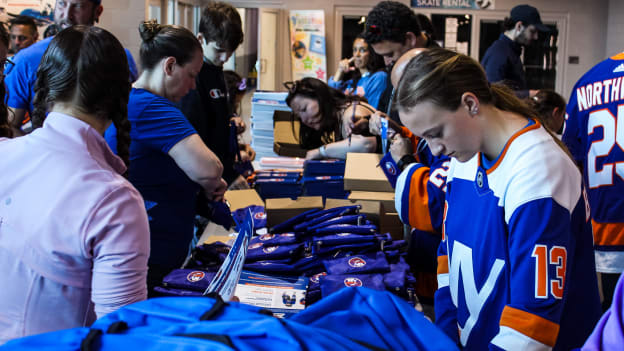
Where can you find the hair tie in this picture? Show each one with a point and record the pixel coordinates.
(242, 86)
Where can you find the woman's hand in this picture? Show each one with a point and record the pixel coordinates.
(240, 124)
(217, 194)
(400, 147)
(247, 152)
(343, 67)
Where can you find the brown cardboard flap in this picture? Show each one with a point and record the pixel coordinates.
(386, 198)
(280, 209)
(363, 174)
(242, 198)
(286, 138)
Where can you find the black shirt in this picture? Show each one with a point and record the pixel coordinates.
(207, 109)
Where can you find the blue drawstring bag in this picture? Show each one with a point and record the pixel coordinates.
(378, 318)
(188, 279)
(332, 283)
(358, 264)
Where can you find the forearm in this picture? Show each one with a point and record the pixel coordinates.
(340, 149)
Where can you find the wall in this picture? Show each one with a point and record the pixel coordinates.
(615, 28)
(586, 38)
(122, 18)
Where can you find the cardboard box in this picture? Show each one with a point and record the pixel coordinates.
(242, 198)
(286, 135)
(386, 198)
(362, 173)
(389, 222)
(281, 209)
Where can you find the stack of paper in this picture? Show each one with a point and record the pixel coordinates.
(263, 105)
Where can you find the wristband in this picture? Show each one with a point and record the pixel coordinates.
(322, 151)
(405, 161)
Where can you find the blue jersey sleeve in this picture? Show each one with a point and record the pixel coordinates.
(20, 79)
(374, 87)
(445, 310)
(162, 126)
(420, 194)
(572, 137)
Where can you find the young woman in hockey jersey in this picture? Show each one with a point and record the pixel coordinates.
(515, 264)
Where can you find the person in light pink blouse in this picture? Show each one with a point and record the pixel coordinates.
(74, 236)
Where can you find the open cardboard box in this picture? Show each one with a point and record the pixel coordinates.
(242, 198)
(286, 135)
(280, 209)
(363, 174)
(386, 198)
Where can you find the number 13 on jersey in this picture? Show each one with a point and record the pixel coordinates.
(544, 259)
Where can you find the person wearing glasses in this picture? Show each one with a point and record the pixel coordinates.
(170, 162)
(74, 236)
(392, 29)
(363, 74)
(327, 117)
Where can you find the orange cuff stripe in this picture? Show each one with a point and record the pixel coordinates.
(443, 264)
(608, 233)
(419, 216)
(533, 326)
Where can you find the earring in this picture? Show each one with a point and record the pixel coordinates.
(474, 111)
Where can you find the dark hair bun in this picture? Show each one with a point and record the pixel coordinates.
(149, 29)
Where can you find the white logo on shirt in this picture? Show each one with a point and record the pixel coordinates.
(461, 264)
(619, 68)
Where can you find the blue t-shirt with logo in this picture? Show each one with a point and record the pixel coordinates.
(169, 194)
(21, 76)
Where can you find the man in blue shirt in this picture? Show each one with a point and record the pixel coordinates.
(20, 77)
(502, 59)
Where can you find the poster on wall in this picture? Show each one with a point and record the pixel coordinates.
(307, 44)
(455, 4)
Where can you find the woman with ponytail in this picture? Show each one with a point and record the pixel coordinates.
(516, 258)
(170, 162)
(74, 236)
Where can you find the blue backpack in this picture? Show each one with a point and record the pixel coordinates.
(190, 323)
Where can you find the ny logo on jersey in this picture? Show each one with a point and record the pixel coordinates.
(461, 265)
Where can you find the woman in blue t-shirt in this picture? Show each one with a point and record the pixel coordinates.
(362, 75)
(170, 163)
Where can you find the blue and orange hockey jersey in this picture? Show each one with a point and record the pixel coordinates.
(516, 265)
(595, 136)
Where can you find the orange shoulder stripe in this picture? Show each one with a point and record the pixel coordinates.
(419, 216)
(443, 264)
(606, 234)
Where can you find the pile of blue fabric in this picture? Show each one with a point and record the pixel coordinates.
(277, 184)
(336, 248)
(324, 178)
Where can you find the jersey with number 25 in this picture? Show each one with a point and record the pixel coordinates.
(594, 133)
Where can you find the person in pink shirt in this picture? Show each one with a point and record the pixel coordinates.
(74, 236)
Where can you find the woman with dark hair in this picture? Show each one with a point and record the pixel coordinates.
(5, 129)
(74, 236)
(516, 258)
(362, 75)
(327, 117)
(551, 107)
(236, 88)
(170, 163)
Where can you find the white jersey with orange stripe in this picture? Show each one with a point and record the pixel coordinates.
(516, 256)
